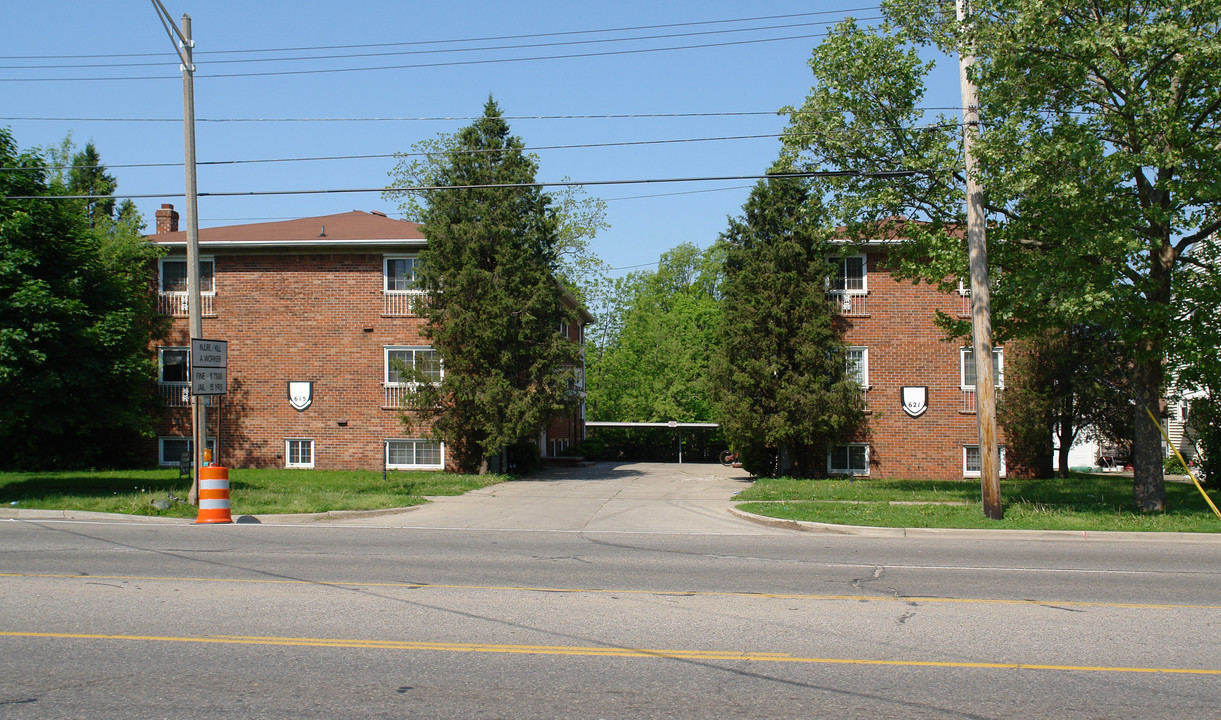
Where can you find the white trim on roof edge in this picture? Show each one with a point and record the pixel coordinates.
(235, 244)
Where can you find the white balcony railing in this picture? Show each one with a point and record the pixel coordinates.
(850, 304)
(174, 394)
(402, 303)
(968, 400)
(394, 395)
(177, 304)
(179, 395)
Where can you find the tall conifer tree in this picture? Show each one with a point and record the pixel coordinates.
(495, 306)
(780, 382)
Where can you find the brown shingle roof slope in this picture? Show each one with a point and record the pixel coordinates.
(355, 225)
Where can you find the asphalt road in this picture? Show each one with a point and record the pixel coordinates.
(596, 608)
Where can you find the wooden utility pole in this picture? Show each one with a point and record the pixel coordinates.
(981, 310)
(184, 46)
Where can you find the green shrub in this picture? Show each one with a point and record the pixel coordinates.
(1172, 466)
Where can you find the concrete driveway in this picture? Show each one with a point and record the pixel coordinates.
(607, 497)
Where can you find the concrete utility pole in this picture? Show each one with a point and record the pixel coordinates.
(981, 310)
(184, 46)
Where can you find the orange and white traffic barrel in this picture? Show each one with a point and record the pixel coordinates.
(213, 495)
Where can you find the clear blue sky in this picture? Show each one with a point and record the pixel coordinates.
(609, 78)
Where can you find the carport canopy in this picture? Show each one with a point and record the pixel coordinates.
(673, 424)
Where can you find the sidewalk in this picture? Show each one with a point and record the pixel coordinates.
(692, 499)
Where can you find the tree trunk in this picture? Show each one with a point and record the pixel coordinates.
(1148, 486)
(1066, 443)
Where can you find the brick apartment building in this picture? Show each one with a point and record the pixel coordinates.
(894, 344)
(326, 304)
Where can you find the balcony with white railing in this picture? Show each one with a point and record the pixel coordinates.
(178, 394)
(174, 394)
(965, 310)
(403, 303)
(850, 304)
(394, 395)
(968, 400)
(177, 304)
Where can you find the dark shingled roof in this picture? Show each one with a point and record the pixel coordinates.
(355, 225)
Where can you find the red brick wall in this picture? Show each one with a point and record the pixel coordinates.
(300, 317)
(306, 317)
(906, 348)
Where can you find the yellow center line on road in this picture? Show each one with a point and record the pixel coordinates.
(616, 591)
(593, 651)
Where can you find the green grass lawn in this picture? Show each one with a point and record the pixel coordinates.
(1079, 502)
(251, 492)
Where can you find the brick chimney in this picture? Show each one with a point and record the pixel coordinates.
(167, 219)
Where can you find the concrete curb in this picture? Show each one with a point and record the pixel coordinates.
(794, 525)
(323, 516)
(957, 533)
(85, 515)
(23, 514)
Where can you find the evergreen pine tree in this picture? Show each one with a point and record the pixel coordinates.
(495, 308)
(780, 382)
(88, 176)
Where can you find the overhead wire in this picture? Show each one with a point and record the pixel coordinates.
(534, 185)
(205, 53)
(399, 53)
(415, 66)
(540, 148)
(446, 118)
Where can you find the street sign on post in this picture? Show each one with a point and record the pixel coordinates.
(209, 367)
(209, 381)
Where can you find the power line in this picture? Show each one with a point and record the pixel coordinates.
(416, 66)
(672, 194)
(446, 118)
(540, 148)
(399, 53)
(457, 40)
(436, 188)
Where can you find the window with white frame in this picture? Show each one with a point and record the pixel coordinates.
(424, 359)
(399, 272)
(848, 458)
(849, 275)
(173, 364)
(856, 361)
(171, 449)
(971, 461)
(415, 454)
(967, 367)
(298, 453)
(174, 275)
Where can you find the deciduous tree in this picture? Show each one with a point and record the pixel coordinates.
(651, 350)
(1098, 156)
(76, 315)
